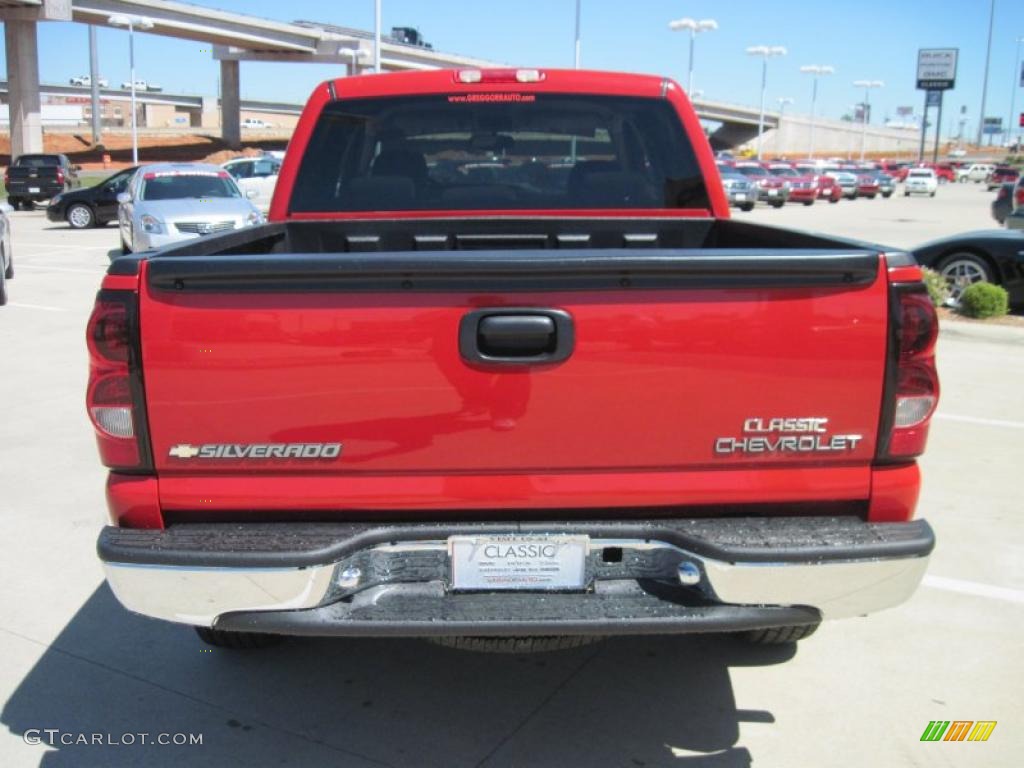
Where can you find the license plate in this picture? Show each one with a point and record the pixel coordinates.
(773, 192)
(514, 561)
(741, 197)
(33, 190)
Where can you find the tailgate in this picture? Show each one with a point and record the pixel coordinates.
(681, 364)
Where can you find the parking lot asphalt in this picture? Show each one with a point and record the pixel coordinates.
(860, 692)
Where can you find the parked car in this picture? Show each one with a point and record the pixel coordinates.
(34, 178)
(170, 202)
(90, 206)
(847, 181)
(738, 188)
(976, 172)
(802, 187)
(1002, 204)
(771, 189)
(868, 184)
(944, 172)
(886, 183)
(921, 181)
(141, 85)
(991, 255)
(86, 81)
(388, 412)
(1002, 174)
(827, 187)
(6, 254)
(258, 174)
(251, 123)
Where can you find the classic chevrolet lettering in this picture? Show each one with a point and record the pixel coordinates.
(781, 435)
(499, 366)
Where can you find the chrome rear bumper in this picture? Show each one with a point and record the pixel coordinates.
(365, 579)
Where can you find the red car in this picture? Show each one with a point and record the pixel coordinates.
(802, 187)
(945, 172)
(867, 185)
(827, 187)
(542, 402)
(1003, 174)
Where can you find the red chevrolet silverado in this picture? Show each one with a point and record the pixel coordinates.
(501, 371)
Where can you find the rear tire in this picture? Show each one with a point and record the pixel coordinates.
(780, 635)
(932, 194)
(3, 289)
(14, 202)
(906, 194)
(808, 202)
(80, 216)
(236, 640)
(778, 204)
(541, 644)
(748, 207)
(9, 271)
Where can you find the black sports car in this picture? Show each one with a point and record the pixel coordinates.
(90, 206)
(993, 255)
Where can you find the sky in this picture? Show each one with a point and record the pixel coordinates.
(862, 39)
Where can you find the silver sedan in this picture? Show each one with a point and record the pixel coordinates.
(171, 202)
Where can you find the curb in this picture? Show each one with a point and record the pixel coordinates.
(998, 334)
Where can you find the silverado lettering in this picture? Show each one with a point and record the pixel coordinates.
(519, 299)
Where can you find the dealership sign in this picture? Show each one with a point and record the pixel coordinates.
(936, 68)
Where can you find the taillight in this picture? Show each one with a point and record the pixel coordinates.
(1019, 194)
(472, 76)
(114, 395)
(60, 176)
(912, 383)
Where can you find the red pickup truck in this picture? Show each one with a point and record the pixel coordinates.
(499, 368)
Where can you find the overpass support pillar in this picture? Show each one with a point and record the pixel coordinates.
(23, 86)
(230, 104)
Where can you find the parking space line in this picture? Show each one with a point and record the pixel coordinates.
(59, 246)
(974, 588)
(69, 270)
(37, 306)
(978, 420)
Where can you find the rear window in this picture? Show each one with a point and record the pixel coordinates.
(178, 186)
(37, 161)
(534, 151)
(921, 174)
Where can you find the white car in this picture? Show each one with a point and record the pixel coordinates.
(141, 85)
(171, 202)
(256, 177)
(921, 181)
(976, 172)
(253, 123)
(85, 81)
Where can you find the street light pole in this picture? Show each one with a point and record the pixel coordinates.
(693, 27)
(815, 70)
(132, 22)
(1013, 94)
(765, 52)
(577, 51)
(988, 58)
(376, 36)
(867, 85)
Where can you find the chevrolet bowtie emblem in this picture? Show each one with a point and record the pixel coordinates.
(184, 451)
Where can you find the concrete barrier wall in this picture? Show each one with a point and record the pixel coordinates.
(834, 137)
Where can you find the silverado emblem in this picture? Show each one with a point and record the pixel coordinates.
(786, 435)
(256, 451)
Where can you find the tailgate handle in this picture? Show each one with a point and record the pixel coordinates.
(516, 336)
